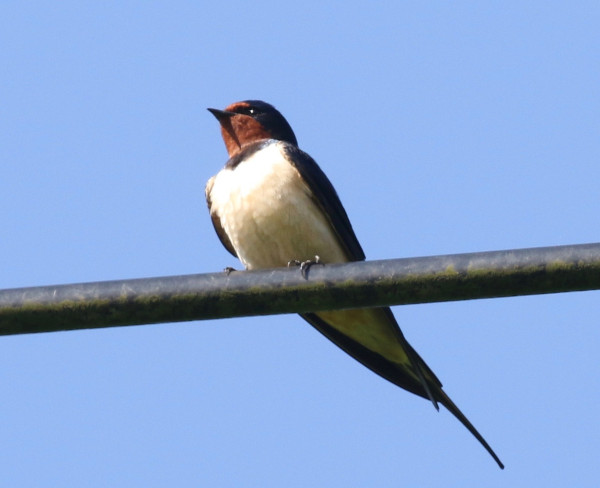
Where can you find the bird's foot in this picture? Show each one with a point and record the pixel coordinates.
(228, 270)
(305, 265)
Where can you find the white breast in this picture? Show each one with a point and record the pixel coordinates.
(266, 210)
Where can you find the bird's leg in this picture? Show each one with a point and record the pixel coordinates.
(305, 265)
(228, 270)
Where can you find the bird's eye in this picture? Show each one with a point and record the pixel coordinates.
(251, 111)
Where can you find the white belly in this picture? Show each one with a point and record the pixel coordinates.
(266, 210)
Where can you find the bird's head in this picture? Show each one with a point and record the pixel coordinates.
(249, 121)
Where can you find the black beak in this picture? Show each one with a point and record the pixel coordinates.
(221, 115)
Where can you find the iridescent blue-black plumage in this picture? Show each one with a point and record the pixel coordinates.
(258, 136)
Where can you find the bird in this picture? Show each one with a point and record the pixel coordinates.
(271, 204)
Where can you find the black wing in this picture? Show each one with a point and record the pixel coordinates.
(427, 386)
(327, 198)
(216, 221)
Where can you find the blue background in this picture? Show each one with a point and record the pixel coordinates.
(445, 127)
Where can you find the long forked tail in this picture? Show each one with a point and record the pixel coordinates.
(433, 388)
(454, 410)
(415, 376)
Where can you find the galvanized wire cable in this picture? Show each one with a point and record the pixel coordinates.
(286, 290)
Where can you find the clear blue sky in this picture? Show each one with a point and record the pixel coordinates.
(445, 127)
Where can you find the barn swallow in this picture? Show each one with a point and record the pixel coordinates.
(271, 204)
